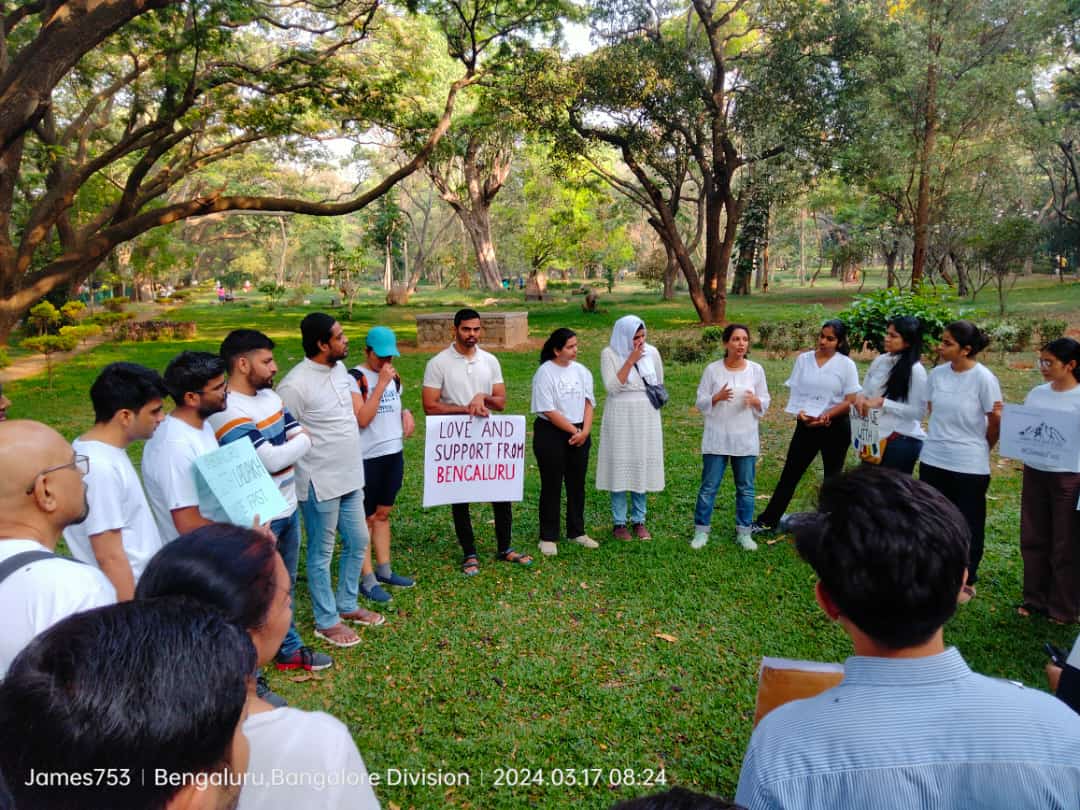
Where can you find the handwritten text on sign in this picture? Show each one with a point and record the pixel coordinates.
(469, 459)
(238, 480)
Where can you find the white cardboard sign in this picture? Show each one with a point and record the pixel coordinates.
(1041, 436)
(469, 459)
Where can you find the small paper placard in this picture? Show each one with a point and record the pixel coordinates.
(1041, 437)
(234, 475)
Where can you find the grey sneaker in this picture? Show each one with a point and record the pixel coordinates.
(700, 539)
(548, 548)
(263, 690)
(744, 539)
(585, 541)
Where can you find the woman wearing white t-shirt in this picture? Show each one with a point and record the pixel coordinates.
(965, 418)
(732, 396)
(240, 573)
(563, 401)
(1049, 521)
(823, 386)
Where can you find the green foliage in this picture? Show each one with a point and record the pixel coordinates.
(712, 335)
(43, 317)
(273, 293)
(48, 345)
(1050, 329)
(1010, 335)
(5, 359)
(790, 334)
(140, 331)
(117, 303)
(71, 311)
(867, 318)
(82, 332)
(110, 320)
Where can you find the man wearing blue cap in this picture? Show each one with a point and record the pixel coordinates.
(383, 426)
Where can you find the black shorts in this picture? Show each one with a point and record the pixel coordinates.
(382, 480)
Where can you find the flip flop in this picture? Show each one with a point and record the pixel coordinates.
(470, 567)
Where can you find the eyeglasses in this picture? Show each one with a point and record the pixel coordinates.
(1044, 363)
(79, 462)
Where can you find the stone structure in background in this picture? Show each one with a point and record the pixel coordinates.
(502, 330)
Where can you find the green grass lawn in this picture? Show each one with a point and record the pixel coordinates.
(562, 666)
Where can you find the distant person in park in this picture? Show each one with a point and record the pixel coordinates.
(896, 385)
(1049, 520)
(823, 385)
(563, 401)
(238, 572)
(120, 535)
(465, 379)
(5, 403)
(256, 413)
(196, 382)
(141, 702)
(330, 478)
(911, 725)
(965, 420)
(733, 397)
(630, 461)
(42, 492)
(384, 425)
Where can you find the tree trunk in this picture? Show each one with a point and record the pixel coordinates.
(890, 264)
(671, 272)
(961, 274)
(926, 154)
(477, 224)
(283, 262)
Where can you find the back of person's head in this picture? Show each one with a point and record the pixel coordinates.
(968, 336)
(909, 329)
(241, 341)
(315, 329)
(676, 799)
(1066, 350)
(190, 372)
(131, 691)
(890, 552)
(465, 315)
(125, 386)
(556, 341)
(841, 331)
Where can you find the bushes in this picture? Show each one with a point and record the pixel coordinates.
(867, 317)
(111, 320)
(141, 331)
(81, 332)
(782, 337)
(5, 360)
(116, 303)
(43, 317)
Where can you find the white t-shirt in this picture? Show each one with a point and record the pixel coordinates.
(731, 427)
(168, 468)
(39, 594)
(383, 435)
(116, 502)
(460, 377)
(1043, 396)
(298, 748)
(562, 388)
(898, 417)
(959, 403)
(815, 389)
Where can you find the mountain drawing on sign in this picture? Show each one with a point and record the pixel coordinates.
(1047, 434)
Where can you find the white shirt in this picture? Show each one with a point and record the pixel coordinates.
(39, 594)
(459, 378)
(313, 758)
(170, 476)
(117, 503)
(565, 389)
(731, 426)
(383, 435)
(897, 417)
(959, 403)
(318, 396)
(815, 389)
(1043, 396)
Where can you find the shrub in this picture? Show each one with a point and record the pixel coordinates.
(1050, 329)
(782, 337)
(110, 320)
(48, 345)
(43, 317)
(116, 303)
(868, 315)
(5, 361)
(72, 311)
(82, 332)
(712, 335)
(141, 331)
(1010, 335)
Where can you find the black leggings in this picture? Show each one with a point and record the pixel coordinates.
(967, 491)
(559, 461)
(831, 441)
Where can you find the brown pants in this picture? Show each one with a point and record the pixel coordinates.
(1050, 543)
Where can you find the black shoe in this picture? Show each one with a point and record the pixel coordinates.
(263, 690)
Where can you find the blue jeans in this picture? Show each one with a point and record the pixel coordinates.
(323, 520)
(712, 473)
(287, 532)
(618, 508)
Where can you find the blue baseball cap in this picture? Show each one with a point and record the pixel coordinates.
(381, 340)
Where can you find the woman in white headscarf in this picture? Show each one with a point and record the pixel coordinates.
(631, 457)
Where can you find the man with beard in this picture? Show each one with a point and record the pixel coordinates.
(256, 413)
(41, 492)
(330, 478)
(196, 382)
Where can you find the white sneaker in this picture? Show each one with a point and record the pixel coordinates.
(700, 539)
(743, 538)
(548, 549)
(585, 541)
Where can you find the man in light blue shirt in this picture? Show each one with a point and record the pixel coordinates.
(911, 726)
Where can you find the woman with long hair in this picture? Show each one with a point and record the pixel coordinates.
(1049, 521)
(964, 398)
(732, 396)
(563, 401)
(895, 385)
(631, 456)
(823, 386)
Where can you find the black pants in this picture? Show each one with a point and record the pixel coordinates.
(463, 526)
(831, 441)
(558, 462)
(967, 491)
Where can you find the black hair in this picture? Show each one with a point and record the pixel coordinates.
(840, 330)
(315, 329)
(890, 552)
(968, 336)
(729, 330)
(122, 386)
(465, 315)
(556, 341)
(1065, 349)
(677, 799)
(191, 371)
(899, 383)
(241, 341)
(128, 689)
(227, 567)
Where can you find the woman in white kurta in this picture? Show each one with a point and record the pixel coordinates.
(631, 456)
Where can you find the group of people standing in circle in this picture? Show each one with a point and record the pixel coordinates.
(961, 397)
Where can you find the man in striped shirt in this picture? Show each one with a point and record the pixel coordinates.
(911, 725)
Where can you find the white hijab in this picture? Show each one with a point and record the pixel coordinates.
(622, 343)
